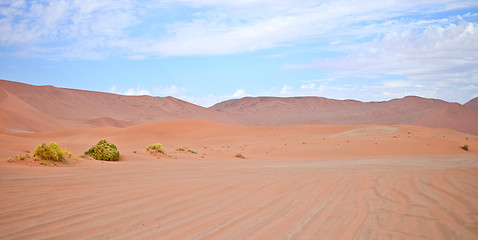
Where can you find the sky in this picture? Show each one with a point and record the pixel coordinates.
(208, 51)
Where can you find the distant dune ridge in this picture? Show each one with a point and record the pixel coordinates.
(317, 110)
(81, 109)
(40, 108)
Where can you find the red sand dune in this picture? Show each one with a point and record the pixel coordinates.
(297, 182)
(317, 110)
(453, 116)
(377, 180)
(16, 115)
(80, 109)
(473, 103)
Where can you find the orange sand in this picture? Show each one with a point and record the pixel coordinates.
(297, 182)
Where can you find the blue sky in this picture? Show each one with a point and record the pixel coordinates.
(207, 51)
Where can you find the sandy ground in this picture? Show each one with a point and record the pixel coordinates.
(296, 182)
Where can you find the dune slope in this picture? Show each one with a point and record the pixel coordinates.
(473, 103)
(80, 109)
(317, 110)
(302, 110)
(16, 115)
(453, 116)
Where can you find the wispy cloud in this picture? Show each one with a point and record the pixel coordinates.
(438, 61)
(124, 27)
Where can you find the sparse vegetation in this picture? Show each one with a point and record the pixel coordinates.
(104, 150)
(409, 132)
(180, 149)
(192, 151)
(240, 155)
(50, 152)
(156, 148)
(464, 147)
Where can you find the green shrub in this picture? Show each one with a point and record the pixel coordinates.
(104, 150)
(239, 155)
(180, 149)
(50, 152)
(192, 151)
(464, 147)
(156, 148)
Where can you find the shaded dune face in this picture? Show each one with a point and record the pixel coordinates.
(473, 103)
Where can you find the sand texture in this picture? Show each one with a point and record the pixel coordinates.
(296, 182)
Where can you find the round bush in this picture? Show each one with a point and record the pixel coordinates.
(50, 152)
(104, 150)
(156, 148)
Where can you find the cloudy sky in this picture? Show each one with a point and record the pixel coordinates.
(206, 51)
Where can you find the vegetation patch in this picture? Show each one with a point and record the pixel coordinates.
(464, 147)
(156, 148)
(50, 152)
(192, 151)
(180, 149)
(104, 150)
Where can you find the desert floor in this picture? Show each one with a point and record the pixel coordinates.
(296, 182)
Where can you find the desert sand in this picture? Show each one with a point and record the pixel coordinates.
(296, 182)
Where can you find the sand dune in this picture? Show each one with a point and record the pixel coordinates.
(378, 178)
(71, 108)
(316, 110)
(473, 103)
(84, 109)
(297, 182)
(16, 115)
(453, 116)
(300, 110)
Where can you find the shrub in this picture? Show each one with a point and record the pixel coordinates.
(156, 148)
(192, 151)
(464, 147)
(104, 150)
(239, 155)
(180, 149)
(50, 152)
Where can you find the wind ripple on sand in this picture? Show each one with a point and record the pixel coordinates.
(242, 200)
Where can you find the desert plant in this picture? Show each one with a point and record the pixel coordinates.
(156, 148)
(464, 147)
(180, 149)
(104, 150)
(192, 151)
(50, 152)
(240, 155)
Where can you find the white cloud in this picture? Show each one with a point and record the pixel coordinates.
(211, 99)
(124, 27)
(442, 58)
(285, 89)
(136, 92)
(113, 89)
(170, 91)
(239, 93)
(308, 86)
